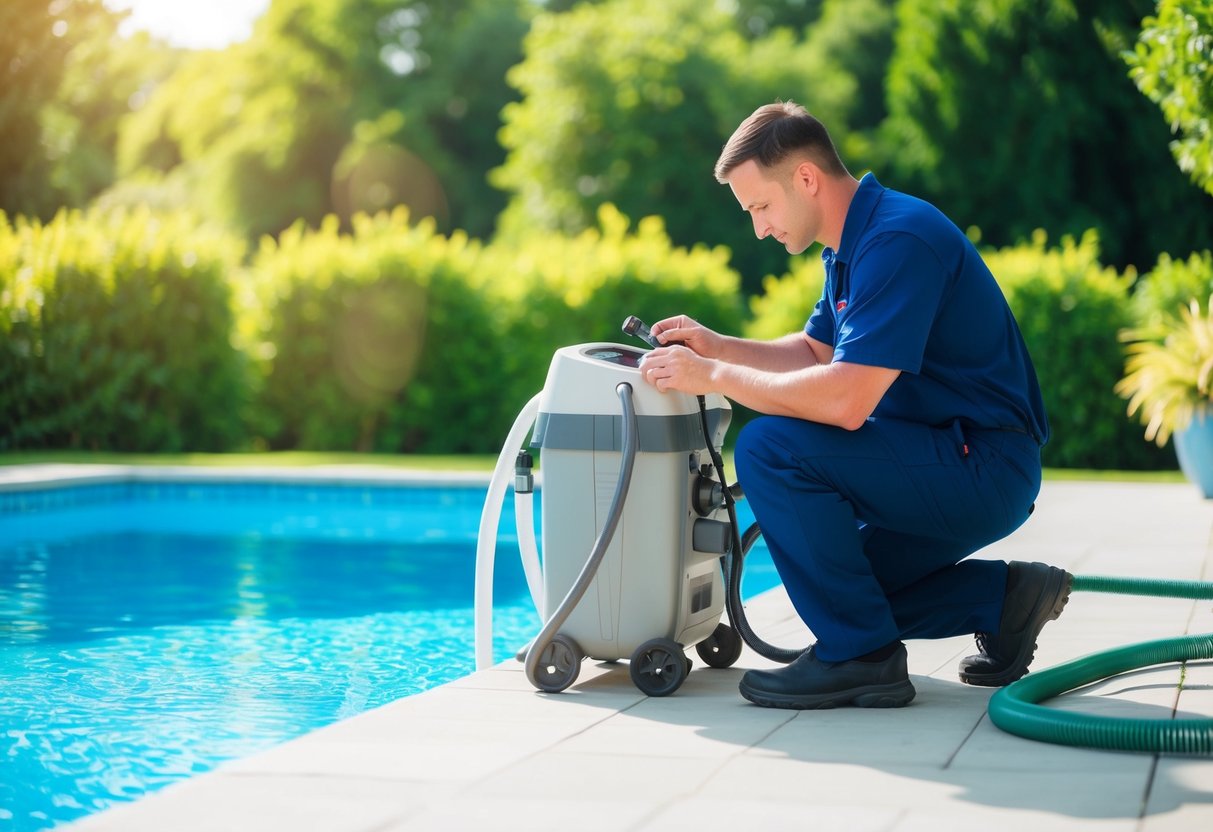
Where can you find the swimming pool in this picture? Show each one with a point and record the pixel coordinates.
(151, 630)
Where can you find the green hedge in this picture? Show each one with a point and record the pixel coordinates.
(117, 331)
(371, 340)
(786, 302)
(116, 335)
(394, 338)
(1071, 310)
(1170, 285)
(552, 291)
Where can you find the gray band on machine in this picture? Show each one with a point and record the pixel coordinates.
(599, 432)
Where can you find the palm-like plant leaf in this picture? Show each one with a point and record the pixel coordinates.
(1167, 381)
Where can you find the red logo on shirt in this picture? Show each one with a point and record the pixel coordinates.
(842, 304)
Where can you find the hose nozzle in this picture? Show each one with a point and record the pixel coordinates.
(635, 327)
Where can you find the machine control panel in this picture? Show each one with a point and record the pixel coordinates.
(615, 354)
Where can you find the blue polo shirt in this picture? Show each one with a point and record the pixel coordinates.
(907, 290)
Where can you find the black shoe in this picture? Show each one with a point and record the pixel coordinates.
(1036, 595)
(810, 682)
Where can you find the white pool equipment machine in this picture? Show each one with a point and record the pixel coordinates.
(634, 527)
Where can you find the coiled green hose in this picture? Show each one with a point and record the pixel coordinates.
(1014, 708)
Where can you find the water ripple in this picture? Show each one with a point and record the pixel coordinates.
(121, 682)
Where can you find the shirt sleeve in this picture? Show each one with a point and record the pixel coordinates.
(896, 285)
(820, 324)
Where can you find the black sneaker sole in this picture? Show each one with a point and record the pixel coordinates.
(1049, 607)
(892, 695)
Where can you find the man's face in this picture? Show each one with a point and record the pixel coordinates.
(779, 201)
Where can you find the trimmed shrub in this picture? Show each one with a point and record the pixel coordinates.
(1071, 310)
(1170, 285)
(373, 340)
(552, 291)
(115, 334)
(786, 302)
(395, 338)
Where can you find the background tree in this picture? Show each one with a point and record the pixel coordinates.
(251, 133)
(60, 92)
(1012, 114)
(759, 17)
(849, 49)
(627, 102)
(338, 106)
(33, 43)
(450, 98)
(1017, 114)
(105, 78)
(1173, 65)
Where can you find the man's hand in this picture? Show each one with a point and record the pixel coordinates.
(678, 368)
(689, 332)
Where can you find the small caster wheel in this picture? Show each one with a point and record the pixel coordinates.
(659, 667)
(722, 648)
(558, 665)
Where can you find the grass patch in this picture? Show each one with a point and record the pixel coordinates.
(479, 462)
(1089, 475)
(278, 459)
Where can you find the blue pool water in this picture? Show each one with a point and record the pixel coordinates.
(150, 631)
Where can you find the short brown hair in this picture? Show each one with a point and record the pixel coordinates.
(773, 133)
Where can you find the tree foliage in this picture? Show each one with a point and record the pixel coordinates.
(106, 77)
(339, 106)
(451, 102)
(1018, 114)
(758, 18)
(255, 130)
(1173, 65)
(33, 45)
(66, 79)
(629, 102)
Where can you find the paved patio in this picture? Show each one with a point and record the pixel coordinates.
(489, 752)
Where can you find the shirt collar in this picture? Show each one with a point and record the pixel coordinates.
(860, 211)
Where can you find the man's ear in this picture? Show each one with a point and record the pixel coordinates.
(806, 176)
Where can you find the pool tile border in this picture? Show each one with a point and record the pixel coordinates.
(57, 475)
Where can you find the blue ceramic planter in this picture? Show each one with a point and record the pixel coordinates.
(1194, 447)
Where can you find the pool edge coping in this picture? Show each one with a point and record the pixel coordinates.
(36, 476)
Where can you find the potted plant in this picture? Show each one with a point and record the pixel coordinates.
(1169, 380)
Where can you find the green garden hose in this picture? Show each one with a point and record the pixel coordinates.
(1014, 708)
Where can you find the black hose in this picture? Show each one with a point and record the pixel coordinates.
(739, 547)
(598, 552)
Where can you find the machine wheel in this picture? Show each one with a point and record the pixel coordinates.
(722, 648)
(659, 667)
(559, 664)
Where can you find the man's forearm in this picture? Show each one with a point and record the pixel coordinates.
(791, 352)
(805, 393)
(838, 394)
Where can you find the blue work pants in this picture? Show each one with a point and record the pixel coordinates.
(868, 528)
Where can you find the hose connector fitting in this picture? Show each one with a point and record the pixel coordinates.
(524, 480)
